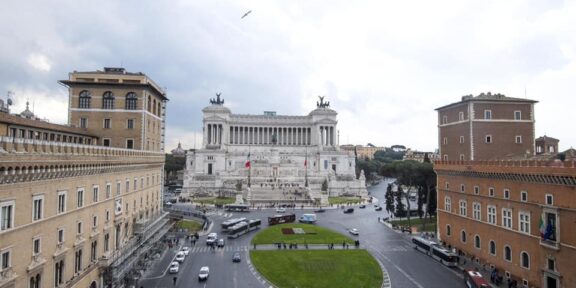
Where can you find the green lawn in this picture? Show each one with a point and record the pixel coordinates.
(318, 268)
(314, 235)
(344, 200)
(417, 222)
(216, 201)
(191, 225)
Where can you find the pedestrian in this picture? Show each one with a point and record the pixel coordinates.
(378, 219)
(174, 280)
(254, 246)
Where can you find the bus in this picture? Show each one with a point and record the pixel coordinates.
(279, 219)
(231, 222)
(243, 227)
(237, 207)
(423, 245)
(444, 256)
(473, 279)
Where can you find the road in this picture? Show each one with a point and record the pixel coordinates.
(406, 267)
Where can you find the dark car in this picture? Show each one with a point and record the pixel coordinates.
(320, 210)
(349, 210)
(236, 257)
(362, 206)
(378, 208)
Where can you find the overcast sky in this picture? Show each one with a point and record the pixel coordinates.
(383, 65)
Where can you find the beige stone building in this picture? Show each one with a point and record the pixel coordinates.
(73, 212)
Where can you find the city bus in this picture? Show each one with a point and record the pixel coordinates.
(231, 222)
(243, 227)
(473, 279)
(423, 245)
(237, 207)
(279, 219)
(444, 256)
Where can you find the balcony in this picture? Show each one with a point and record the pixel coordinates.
(554, 245)
(7, 277)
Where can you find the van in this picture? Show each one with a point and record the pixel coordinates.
(308, 218)
(211, 239)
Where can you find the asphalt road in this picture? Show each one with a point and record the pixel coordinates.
(406, 267)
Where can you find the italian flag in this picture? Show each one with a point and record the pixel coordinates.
(542, 227)
(247, 165)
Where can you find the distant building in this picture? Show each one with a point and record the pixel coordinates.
(546, 145)
(363, 152)
(178, 152)
(487, 126)
(419, 155)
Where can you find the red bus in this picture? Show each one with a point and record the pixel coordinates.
(473, 279)
(279, 219)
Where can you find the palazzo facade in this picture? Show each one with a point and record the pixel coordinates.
(290, 157)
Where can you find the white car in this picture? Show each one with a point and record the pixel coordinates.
(280, 210)
(180, 256)
(211, 239)
(174, 267)
(204, 273)
(186, 250)
(354, 231)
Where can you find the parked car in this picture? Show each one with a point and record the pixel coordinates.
(354, 231)
(220, 242)
(180, 256)
(280, 210)
(378, 208)
(236, 257)
(362, 206)
(349, 210)
(320, 210)
(174, 267)
(204, 273)
(186, 250)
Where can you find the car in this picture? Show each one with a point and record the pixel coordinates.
(180, 256)
(349, 210)
(280, 210)
(354, 231)
(221, 242)
(211, 239)
(320, 210)
(236, 257)
(204, 273)
(174, 267)
(186, 250)
(378, 208)
(362, 206)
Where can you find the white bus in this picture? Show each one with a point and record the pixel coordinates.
(423, 245)
(243, 228)
(231, 222)
(308, 218)
(444, 256)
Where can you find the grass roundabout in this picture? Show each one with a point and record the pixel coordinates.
(318, 267)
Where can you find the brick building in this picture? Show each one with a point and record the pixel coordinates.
(75, 213)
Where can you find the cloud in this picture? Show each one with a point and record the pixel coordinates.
(39, 62)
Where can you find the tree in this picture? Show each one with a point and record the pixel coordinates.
(389, 199)
(400, 209)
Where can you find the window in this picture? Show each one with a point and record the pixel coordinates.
(79, 227)
(476, 190)
(462, 188)
(95, 192)
(84, 100)
(491, 191)
(118, 188)
(488, 138)
(108, 190)
(507, 253)
(549, 199)
(135, 184)
(108, 100)
(83, 122)
(491, 214)
(463, 208)
(444, 119)
(525, 260)
(131, 101)
(551, 264)
(106, 142)
(492, 247)
(445, 141)
(476, 211)
(487, 114)
(61, 202)
(523, 196)
(59, 273)
(445, 157)
(447, 186)
(106, 242)
(462, 157)
(507, 218)
(94, 221)
(517, 115)
(524, 222)
(94, 251)
(107, 216)
(36, 246)
(37, 207)
(461, 116)
(129, 143)
(78, 261)
(463, 236)
(60, 235)
(506, 194)
(518, 139)
(130, 123)
(448, 230)
(461, 139)
(127, 185)
(7, 215)
(477, 241)
(447, 204)
(107, 124)
(549, 227)
(80, 198)
(5, 260)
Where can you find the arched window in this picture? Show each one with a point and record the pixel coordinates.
(131, 101)
(159, 109)
(477, 241)
(507, 253)
(108, 100)
(525, 260)
(492, 247)
(154, 107)
(448, 230)
(463, 236)
(84, 99)
(149, 104)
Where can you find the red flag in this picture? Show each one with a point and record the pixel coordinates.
(247, 165)
(305, 162)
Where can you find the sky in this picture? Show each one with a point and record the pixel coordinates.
(383, 65)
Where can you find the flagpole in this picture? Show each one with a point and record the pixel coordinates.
(306, 168)
(249, 166)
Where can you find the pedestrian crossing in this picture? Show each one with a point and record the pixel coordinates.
(207, 249)
(220, 214)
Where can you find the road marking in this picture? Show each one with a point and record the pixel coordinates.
(397, 267)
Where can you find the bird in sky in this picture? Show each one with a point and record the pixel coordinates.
(246, 14)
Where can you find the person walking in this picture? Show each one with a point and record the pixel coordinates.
(174, 280)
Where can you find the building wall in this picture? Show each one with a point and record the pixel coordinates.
(534, 178)
(503, 136)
